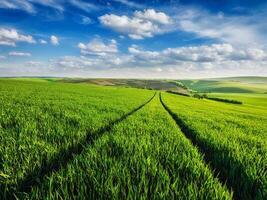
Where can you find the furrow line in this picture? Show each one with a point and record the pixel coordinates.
(190, 135)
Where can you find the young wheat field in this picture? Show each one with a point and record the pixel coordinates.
(62, 140)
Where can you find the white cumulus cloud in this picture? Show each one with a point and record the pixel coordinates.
(100, 59)
(204, 53)
(143, 24)
(98, 47)
(214, 53)
(141, 54)
(54, 40)
(10, 37)
(152, 15)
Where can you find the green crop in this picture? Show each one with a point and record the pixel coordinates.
(63, 140)
(232, 137)
(41, 122)
(145, 156)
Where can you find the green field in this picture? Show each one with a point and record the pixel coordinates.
(81, 140)
(229, 85)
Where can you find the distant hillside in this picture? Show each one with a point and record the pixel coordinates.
(213, 85)
(244, 79)
(229, 85)
(136, 83)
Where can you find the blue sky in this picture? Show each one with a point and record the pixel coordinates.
(135, 39)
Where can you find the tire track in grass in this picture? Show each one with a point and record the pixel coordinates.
(62, 158)
(189, 134)
(229, 170)
(146, 156)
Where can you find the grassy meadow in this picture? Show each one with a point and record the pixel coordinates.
(130, 139)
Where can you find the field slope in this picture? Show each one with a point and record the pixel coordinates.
(229, 85)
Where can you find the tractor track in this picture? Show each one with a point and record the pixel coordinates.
(191, 135)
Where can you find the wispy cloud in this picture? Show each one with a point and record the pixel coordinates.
(43, 41)
(18, 5)
(86, 20)
(240, 30)
(55, 4)
(29, 5)
(33, 64)
(130, 3)
(23, 54)
(85, 6)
